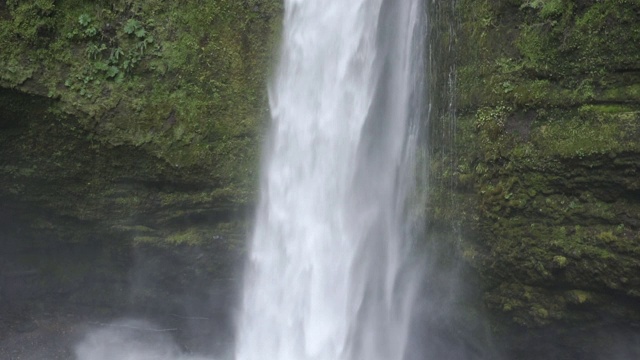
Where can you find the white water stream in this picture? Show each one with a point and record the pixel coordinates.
(328, 274)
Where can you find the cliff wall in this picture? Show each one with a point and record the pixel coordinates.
(128, 128)
(540, 168)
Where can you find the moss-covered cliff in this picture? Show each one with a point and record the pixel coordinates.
(130, 126)
(545, 167)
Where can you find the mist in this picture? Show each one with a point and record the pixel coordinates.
(131, 340)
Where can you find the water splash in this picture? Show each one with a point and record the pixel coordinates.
(328, 273)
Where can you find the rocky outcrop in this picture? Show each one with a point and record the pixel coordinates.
(543, 164)
(128, 127)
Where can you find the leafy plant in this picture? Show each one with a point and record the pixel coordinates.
(88, 29)
(132, 26)
(507, 87)
(91, 31)
(115, 55)
(93, 50)
(547, 7)
(112, 71)
(141, 33)
(141, 46)
(84, 20)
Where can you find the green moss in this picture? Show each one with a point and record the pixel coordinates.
(131, 127)
(589, 132)
(188, 237)
(560, 261)
(32, 20)
(140, 90)
(578, 296)
(543, 160)
(142, 240)
(133, 228)
(193, 77)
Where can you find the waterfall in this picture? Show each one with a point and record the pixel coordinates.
(329, 273)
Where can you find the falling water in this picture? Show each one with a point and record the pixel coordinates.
(329, 274)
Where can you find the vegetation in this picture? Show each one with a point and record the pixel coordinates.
(132, 123)
(543, 160)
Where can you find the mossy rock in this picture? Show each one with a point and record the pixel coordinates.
(541, 165)
(132, 124)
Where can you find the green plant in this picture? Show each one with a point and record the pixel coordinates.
(115, 55)
(88, 27)
(136, 28)
(94, 50)
(133, 26)
(31, 19)
(547, 8)
(84, 20)
(507, 87)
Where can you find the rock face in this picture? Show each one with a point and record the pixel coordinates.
(126, 128)
(543, 164)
